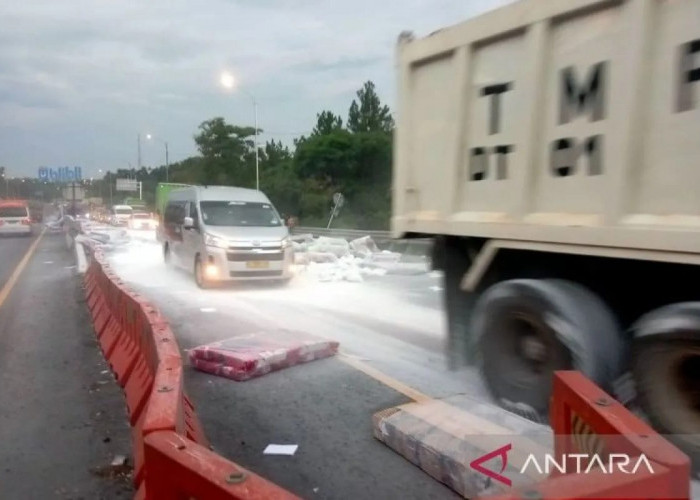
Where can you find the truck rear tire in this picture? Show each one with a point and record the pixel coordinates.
(528, 329)
(666, 368)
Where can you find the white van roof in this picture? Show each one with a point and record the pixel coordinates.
(218, 193)
(124, 207)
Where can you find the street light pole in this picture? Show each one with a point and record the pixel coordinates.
(167, 155)
(229, 82)
(257, 168)
(167, 163)
(138, 138)
(257, 162)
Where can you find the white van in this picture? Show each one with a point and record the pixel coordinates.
(226, 234)
(121, 214)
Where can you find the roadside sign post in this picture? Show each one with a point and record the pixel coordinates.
(338, 202)
(130, 185)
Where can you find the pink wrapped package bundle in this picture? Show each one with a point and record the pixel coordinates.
(248, 356)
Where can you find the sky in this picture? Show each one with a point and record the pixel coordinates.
(81, 79)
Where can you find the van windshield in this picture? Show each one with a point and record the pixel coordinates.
(123, 211)
(239, 213)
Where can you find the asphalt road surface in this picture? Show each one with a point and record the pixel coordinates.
(391, 324)
(390, 329)
(62, 417)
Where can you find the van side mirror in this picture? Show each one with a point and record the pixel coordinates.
(188, 223)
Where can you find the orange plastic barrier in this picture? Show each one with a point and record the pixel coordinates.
(579, 405)
(180, 468)
(171, 453)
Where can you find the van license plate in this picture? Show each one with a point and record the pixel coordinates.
(257, 264)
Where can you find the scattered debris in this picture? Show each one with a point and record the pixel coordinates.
(119, 461)
(364, 246)
(281, 449)
(119, 468)
(336, 259)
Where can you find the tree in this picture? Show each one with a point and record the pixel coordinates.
(277, 177)
(329, 158)
(369, 115)
(228, 152)
(327, 122)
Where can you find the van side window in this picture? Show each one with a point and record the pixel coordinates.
(193, 212)
(174, 213)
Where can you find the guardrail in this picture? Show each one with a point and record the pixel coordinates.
(341, 233)
(172, 459)
(383, 239)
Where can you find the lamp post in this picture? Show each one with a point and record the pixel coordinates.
(3, 174)
(138, 146)
(228, 81)
(167, 160)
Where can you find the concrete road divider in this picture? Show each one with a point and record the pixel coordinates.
(172, 459)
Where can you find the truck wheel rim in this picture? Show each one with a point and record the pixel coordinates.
(529, 344)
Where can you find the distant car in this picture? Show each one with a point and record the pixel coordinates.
(142, 220)
(121, 214)
(15, 218)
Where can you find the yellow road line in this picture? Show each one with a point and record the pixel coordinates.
(20, 267)
(385, 379)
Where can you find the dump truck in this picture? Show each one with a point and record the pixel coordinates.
(552, 152)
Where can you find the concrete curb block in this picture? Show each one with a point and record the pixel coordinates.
(80, 257)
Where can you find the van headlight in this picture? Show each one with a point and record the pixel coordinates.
(214, 241)
(286, 242)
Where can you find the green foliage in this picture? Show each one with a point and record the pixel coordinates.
(369, 115)
(354, 160)
(326, 123)
(228, 153)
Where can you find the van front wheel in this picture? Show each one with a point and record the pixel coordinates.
(199, 277)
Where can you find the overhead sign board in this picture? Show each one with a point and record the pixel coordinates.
(127, 185)
(70, 193)
(60, 174)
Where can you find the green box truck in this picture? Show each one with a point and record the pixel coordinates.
(162, 191)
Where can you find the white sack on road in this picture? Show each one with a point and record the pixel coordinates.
(337, 246)
(363, 247)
